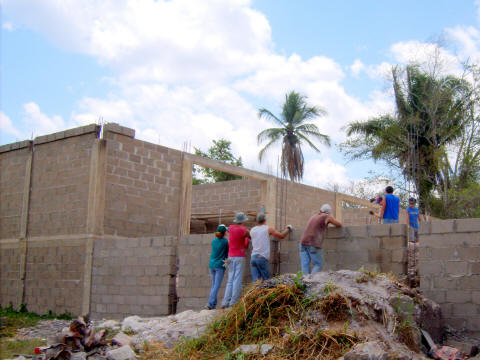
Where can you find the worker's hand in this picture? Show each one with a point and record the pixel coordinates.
(370, 212)
(226, 261)
(290, 227)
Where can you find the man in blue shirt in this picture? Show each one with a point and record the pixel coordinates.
(390, 207)
(413, 216)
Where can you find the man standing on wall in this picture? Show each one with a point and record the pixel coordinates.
(312, 240)
(390, 207)
(260, 234)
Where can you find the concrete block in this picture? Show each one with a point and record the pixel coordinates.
(425, 228)
(442, 226)
(379, 230)
(399, 255)
(464, 309)
(445, 283)
(459, 296)
(118, 129)
(469, 282)
(396, 242)
(467, 225)
(398, 230)
(456, 267)
(356, 231)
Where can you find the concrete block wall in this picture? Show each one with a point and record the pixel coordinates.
(143, 182)
(132, 276)
(381, 247)
(302, 201)
(12, 177)
(59, 184)
(54, 275)
(236, 195)
(450, 269)
(9, 272)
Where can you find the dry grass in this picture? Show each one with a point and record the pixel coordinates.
(267, 316)
(335, 307)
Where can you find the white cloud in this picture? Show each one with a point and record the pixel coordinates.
(322, 173)
(38, 122)
(8, 26)
(7, 127)
(186, 71)
(357, 67)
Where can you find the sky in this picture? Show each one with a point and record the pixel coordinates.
(188, 71)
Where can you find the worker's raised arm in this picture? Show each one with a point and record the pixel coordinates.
(272, 231)
(333, 221)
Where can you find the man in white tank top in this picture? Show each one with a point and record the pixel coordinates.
(259, 262)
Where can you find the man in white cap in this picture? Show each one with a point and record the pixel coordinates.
(312, 240)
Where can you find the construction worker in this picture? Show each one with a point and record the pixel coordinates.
(238, 240)
(390, 207)
(313, 237)
(259, 265)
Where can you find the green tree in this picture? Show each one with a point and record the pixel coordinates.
(293, 132)
(430, 117)
(220, 150)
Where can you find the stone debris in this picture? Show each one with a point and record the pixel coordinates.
(253, 349)
(169, 329)
(122, 353)
(372, 350)
(122, 339)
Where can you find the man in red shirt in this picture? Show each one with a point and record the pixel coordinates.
(238, 238)
(312, 240)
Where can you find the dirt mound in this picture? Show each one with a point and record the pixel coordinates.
(326, 315)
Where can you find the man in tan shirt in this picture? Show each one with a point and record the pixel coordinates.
(312, 240)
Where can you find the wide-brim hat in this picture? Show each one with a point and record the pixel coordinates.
(240, 218)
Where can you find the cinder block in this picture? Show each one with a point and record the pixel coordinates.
(445, 283)
(425, 228)
(396, 242)
(469, 282)
(467, 225)
(398, 230)
(399, 255)
(442, 226)
(456, 267)
(379, 230)
(464, 309)
(459, 296)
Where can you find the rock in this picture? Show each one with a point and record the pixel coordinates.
(109, 324)
(78, 356)
(372, 350)
(133, 323)
(122, 353)
(122, 339)
(263, 349)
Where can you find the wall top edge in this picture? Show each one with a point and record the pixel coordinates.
(119, 129)
(82, 130)
(15, 146)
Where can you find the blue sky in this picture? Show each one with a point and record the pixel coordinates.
(192, 71)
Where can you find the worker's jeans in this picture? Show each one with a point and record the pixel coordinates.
(216, 275)
(390, 221)
(312, 254)
(259, 268)
(234, 282)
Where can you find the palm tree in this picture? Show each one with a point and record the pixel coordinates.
(429, 116)
(293, 132)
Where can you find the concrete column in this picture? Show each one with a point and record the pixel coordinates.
(95, 214)
(24, 227)
(186, 198)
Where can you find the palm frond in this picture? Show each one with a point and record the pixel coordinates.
(265, 149)
(270, 134)
(267, 114)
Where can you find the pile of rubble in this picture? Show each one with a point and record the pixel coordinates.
(80, 341)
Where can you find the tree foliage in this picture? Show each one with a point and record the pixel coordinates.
(220, 150)
(432, 137)
(293, 132)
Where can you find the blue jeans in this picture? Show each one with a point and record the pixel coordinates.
(312, 254)
(216, 275)
(234, 282)
(259, 268)
(390, 221)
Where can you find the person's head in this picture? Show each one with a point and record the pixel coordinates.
(240, 218)
(326, 209)
(221, 230)
(261, 218)
(412, 201)
(389, 190)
